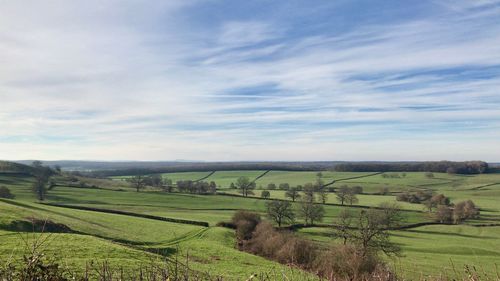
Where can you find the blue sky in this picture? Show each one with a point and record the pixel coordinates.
(250, 80)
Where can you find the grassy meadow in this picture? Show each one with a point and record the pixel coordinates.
(131, 241)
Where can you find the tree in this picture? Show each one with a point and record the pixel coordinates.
(245, 186)
(435, 201)
(168, 185)
(429, 175)
(212, 187)
(308, 192)
(351, 198)
(284, 186)
(156, 180)
(370, 229)
(138, 182)
(357, 189)
(384, 191)
(5, 193)
(342, 193)
(271, 186)
(465, 210)
(444, 214)
(42, 177)
(280, 212)
(265, 194)
(323, 195)
(232, 186)
(311, 212)
(292, 193)
(343, 228)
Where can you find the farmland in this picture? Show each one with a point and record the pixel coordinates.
(130, 241)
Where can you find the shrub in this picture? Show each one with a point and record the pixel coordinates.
(245, 223)
(5, 193)
(346, 262)
(283, 247)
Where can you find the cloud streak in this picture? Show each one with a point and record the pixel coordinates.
(86, 80)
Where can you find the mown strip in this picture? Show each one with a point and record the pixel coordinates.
(182, 221)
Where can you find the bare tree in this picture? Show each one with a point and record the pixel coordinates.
(138, 182)
(245, 186)
(280, 211)
(308, 193)
(42, 177)
(342, 193)
(370, 229)
(311, 212)
(293, 193)
(351, 198)
(323, 195)
(343, 226)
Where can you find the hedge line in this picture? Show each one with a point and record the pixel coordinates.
(200, 223)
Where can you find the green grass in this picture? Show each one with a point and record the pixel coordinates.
(131, 241)
(436, 249)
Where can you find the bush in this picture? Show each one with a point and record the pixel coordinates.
(344, 262)
(245, 223)
(5, 193)
(283, 247)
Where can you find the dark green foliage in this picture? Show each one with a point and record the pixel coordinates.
(5, 193)
(468, 167)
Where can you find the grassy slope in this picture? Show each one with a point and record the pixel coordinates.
(436, 249)
(417, 245)
(208, 248)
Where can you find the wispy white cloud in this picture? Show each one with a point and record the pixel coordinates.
(123, 80)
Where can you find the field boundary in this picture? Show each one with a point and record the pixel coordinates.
(260, 176)
(486, 185)
(205, 177)
(327, 204)
(116, 212)
(294, 227)
(352, 178)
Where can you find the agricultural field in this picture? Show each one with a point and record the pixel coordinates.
(132, 241)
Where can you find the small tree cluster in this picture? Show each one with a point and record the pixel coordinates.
(415, 197)
(458, 213)
(393, 175)
(245, 186)
(347, 194)
(197, 187)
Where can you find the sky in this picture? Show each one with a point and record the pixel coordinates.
(250, 80)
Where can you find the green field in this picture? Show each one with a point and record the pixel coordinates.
(131, 241)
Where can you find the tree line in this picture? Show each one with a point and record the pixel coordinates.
(467, 167)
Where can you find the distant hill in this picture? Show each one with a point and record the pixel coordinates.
(109, 168)
(13, 167)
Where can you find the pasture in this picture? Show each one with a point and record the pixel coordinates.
(131, 241)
